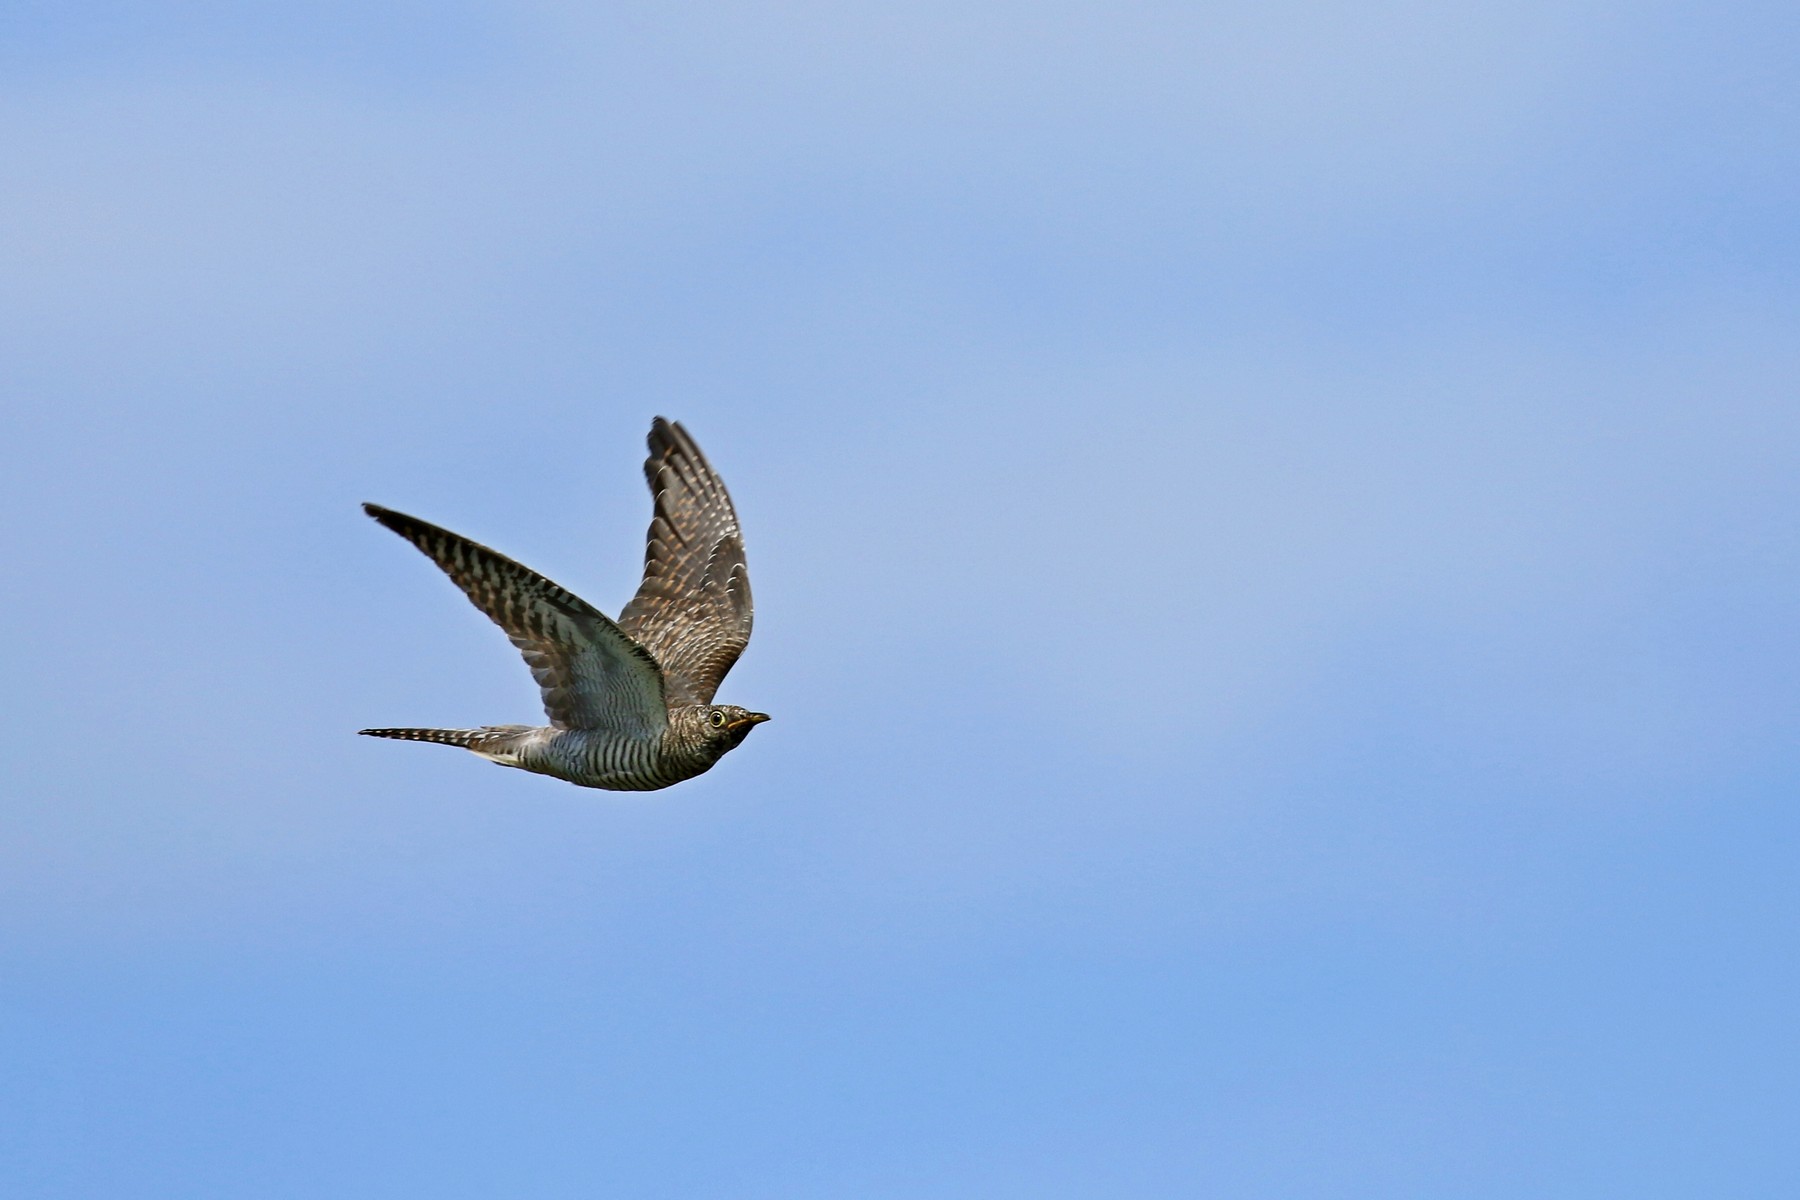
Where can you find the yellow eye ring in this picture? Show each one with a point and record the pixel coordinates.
(717, 718)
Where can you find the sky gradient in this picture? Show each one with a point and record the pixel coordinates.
(1274, 533)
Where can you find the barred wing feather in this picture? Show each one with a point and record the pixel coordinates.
(693, 609)
(593, 675)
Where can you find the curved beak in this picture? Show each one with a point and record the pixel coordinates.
(748, 719)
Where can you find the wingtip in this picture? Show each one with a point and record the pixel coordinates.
(670, 439)
(389, 518)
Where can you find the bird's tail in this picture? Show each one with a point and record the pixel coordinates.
(478, 740)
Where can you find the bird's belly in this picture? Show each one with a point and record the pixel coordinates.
(595, 759)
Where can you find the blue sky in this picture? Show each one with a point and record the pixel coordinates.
(1274, 531)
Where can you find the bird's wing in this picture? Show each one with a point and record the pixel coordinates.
(592, 674)
(693, 609)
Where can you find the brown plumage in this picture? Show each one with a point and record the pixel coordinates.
(693, 610)
(630, 704)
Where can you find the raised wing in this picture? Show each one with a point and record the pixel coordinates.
(693, 609)
(592, 674)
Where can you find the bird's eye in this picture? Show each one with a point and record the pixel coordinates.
(717, 718)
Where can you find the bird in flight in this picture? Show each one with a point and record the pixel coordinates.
(629, 702)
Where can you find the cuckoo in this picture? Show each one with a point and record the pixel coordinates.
(629, 702)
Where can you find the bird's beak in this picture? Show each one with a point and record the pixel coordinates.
(748, 719)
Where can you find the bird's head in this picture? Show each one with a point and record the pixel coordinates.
(726, 725)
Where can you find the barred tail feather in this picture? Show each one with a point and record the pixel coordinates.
(444, 737)
(468, 739)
